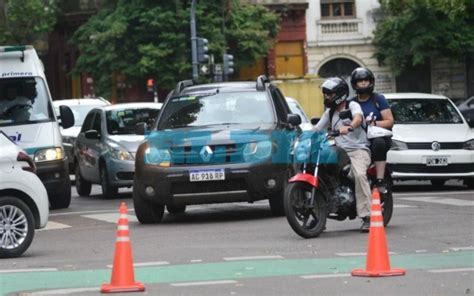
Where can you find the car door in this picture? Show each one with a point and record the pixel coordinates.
(81, 147)
(95, 146)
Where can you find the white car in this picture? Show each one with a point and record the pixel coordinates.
(24, 204)
(431, 140)
(296, 108)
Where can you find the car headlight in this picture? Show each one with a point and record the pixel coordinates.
(54, 153)
(120, 154)
(257, 151)
(162, 157)
(469, 145)
(303, 150)
(399, 145)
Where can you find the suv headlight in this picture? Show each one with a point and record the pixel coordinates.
(54, 153)
(162, 157)
(303, 150)
(399, 145)
(469, 145)
(257, 151)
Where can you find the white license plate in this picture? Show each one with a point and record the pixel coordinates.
(436, 161)
(206, 175)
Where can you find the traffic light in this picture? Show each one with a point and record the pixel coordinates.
(150, 84)
(228, 61)
(202, 50)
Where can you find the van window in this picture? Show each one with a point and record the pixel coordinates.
(24, 101)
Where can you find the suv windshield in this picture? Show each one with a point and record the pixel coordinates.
(424, 111)
(123, 121)
(24, 101)
(216, 109)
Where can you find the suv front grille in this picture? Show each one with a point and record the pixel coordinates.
(444, 145)
(221, 154)
(208, 186)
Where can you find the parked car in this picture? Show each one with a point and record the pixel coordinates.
(216, 143)
(431, 139)
(296, 108)
(23, 199)
(104, 151)
(467, 109)
(80, 108)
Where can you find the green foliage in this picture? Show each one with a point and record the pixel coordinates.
(26, 20)
(413, 31)
(141, 38)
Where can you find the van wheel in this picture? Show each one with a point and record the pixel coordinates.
(83, 187)
(17, 227)
(108, 191)
(61, 199)
(146, 212)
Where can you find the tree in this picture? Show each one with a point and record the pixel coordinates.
(152, 38)
(26, 20)
(414, 31)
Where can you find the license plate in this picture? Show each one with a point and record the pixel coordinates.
(206, 175)
(436, 161)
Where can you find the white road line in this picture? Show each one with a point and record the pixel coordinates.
(325, 276)
(467, 192)
(187, 284)
(421, 251)
(85, 212)
(252, 258)
(462, 248)
(451, 270)
(109, 217)
(196, 260)
(357, 254)
(403, 206)
(28, 270)
(62, 291)
(440, 200)
(54, 226)
(143, 264)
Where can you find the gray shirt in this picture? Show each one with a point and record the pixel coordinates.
(354, 140)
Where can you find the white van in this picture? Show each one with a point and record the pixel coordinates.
(28, 118)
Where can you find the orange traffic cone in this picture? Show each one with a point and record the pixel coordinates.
(123, 278)
(378, 263)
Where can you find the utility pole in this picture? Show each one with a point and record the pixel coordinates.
(193, 41)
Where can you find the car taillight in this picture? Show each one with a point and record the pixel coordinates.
(22, 156)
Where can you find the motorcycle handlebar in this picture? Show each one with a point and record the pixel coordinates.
(336, 133)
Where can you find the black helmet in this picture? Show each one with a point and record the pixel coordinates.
(337, 86)
(362, 74)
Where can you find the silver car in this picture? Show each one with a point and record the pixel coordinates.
(104, 151)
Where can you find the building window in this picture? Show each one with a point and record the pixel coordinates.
(337, 9)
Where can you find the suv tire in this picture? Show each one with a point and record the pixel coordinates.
(146, 212)
(61, 199)
(175, 209)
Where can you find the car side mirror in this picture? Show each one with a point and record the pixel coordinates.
(346, 114)
(470, 121)
(315, 120)
(294, 119)
(140, 128)
(92, 135)
(66, 116)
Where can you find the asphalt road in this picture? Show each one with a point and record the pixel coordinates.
(240, 249)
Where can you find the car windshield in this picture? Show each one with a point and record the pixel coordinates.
(123, 121)
(296, 109)
(80, 111)
(216, 109)
(424, 111)
(24, 101)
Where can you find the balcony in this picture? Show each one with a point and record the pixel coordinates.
(340, 32)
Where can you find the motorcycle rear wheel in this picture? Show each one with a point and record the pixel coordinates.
(307, 220)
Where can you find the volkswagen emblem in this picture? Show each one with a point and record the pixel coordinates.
(435, 146)
(206, 153)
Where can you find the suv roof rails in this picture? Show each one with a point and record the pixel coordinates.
(182, 84)
(261, 80)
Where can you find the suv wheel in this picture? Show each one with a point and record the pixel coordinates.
(61, 198)
(147, 213)
(108, 191)
(83, 187)
(17, 227)
(175, 209)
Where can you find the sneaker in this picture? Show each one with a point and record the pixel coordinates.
(365, 224)
(381, 186)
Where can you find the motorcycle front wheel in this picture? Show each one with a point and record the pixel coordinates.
(307, 219)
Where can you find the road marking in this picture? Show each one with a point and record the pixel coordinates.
(403, 206)
(440, 200)
(325, 276)
(456, 249)
(85, 212)
(28, 270)
(466, 192)
(62, 291)
(252, 258)
(196, 261)
(204, 283)
(109, 217)
(358, 254)
(451, 270)
(157, 263)
(421, 251)
(54, 226)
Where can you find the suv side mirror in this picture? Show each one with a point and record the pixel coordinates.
(66, 116)
(314, 120)
(92, 135)
(470, 121)
(140, 128)
(294, 119)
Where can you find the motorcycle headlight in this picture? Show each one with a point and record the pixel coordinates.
(303, 150)
(399, 145)
(469, 145)
(120, 154)
(257, 151)
(162, 157)
(54, 153)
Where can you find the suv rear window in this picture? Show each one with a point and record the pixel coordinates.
(216, 109)
(423, 111)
